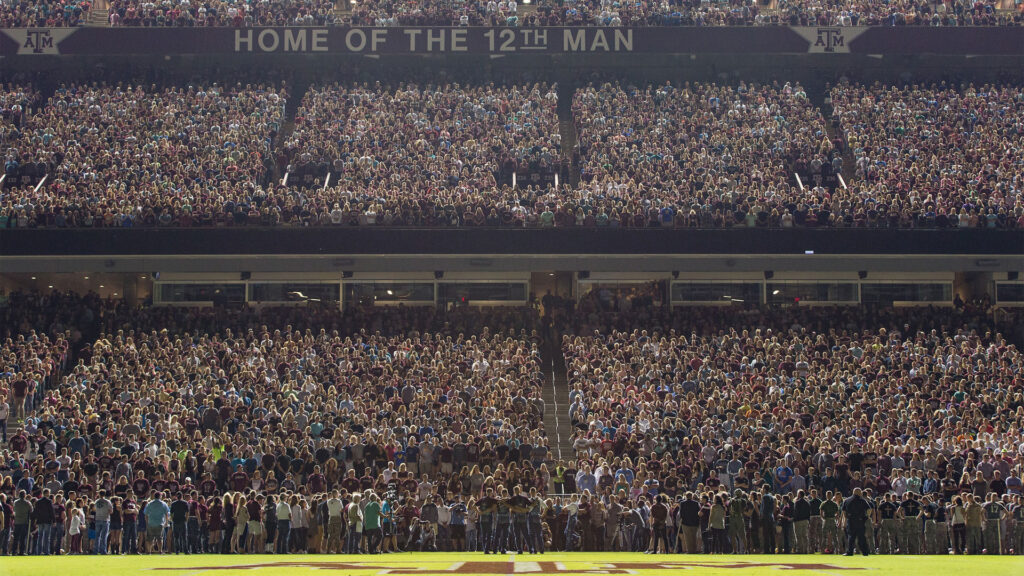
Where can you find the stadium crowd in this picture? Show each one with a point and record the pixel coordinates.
(219, 13)
(947, 156)
(177, 13)
(16, 104)
(420, 153)
(551, 13)
(117, 156)
(682, 13)
(43, 13)
(697, 155)
(897, 13)
(298, 430)
(701, 155)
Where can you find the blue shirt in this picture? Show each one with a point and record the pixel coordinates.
(156, 511)
(586, 482)
(783, 474)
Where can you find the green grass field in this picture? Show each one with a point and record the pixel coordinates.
(548, 564)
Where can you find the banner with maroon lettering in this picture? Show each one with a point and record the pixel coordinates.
(512, 41)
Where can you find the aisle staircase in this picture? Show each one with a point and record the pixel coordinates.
(556, 401)
(12, 426)
(342, 9)
(97, 16)
(834, 131)
(567, 130)
(296, 93)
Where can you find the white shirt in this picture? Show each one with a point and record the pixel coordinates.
(334, 508)
(76, 523)
(299, 519)
(284, 511)
(444, 514)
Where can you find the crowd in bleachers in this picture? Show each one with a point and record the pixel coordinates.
(133, 155)
(177, 13)
(895, 13)
(701, 155)
(168, 397)
(219, 13)
(680, 13)
(950, 154)
(43, 13)
(411, 153)
(696, 155)
(706, 430)
(550, 13)
(15, 103)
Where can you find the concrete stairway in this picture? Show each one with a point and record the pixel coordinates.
(834, 131)
(295, 95)
(97, 16)
(342, 8)
(556, 401)
(12, 426)
(567, 130)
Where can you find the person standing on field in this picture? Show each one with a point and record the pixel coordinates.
(910, 524)
(830, 541)
(801, 521)
(855, 511)
(975, 520)
(888, 533)
(1018, 525)
(737, 521)
(335, 523)
(994, 515)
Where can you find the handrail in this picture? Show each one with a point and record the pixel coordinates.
(327, 180)
(41, 182)
(284, 181)
(799, 182)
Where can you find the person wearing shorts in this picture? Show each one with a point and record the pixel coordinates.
(157, 513)
(255, 533)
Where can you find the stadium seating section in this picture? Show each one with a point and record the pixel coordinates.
(700, 155)
(414, 404)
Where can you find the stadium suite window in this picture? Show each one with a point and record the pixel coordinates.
(483, 291)
(716, 292)
(788, 292)
(295, 292)
(1010, 292)
(227, 293)
(369, 292)
(886, 294)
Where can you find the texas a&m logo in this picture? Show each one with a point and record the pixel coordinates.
(829, 39)
(39, 42)
(36, 41)
(835, 40)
